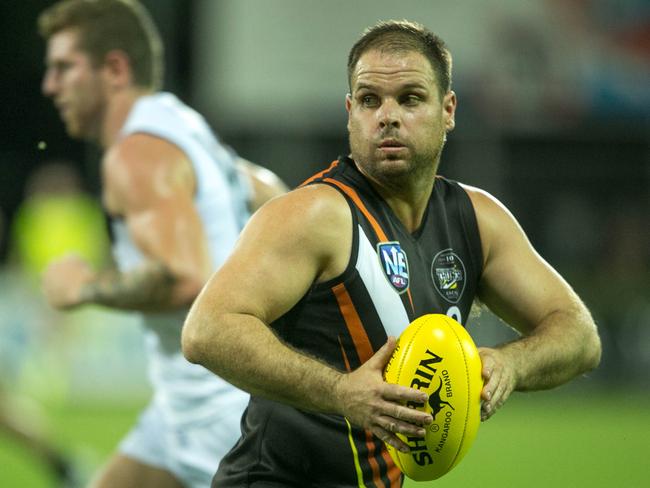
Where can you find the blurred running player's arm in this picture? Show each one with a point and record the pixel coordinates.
(265, 183)
(290, 243)
(149, 183)
(559, 339)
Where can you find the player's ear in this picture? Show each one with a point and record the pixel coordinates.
(117, 68)
(348, 106)
(348, 102)
(449, 104)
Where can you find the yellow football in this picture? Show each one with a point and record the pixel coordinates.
(435, 354)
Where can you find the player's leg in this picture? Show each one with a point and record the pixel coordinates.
(25, 431)
(142, 459)
(125, 472)
(200, 445)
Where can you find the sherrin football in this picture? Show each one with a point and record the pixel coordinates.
(435, 354)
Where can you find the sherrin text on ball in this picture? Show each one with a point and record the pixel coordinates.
(436, 354)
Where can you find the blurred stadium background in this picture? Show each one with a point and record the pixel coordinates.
(553, 118)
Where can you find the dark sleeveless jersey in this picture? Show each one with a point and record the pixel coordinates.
(392, 278)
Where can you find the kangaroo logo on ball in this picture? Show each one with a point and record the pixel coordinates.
(437, 403)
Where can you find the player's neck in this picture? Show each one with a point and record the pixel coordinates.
(407, 197)
(117, 111)
(409, 207)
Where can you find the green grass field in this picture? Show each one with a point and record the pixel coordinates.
(561, 439)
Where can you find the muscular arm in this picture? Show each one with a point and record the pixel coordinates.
(150, 184)
(292, 242)
(154, 285)
(257, 284)
(558, 339)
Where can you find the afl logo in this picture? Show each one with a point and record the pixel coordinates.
(448, 275)
(394, 263)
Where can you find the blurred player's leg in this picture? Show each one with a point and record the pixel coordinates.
(125, 472)
(32, 439)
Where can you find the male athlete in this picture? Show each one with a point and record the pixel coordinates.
(303, 314)
(177, 199)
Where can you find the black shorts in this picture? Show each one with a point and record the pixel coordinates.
(285, 447)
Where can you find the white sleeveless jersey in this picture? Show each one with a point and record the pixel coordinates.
(187, 392)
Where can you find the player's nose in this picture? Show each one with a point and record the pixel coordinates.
(388, 114)
(49, 85)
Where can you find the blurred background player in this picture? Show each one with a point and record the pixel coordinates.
(56, 217)
(177, 200)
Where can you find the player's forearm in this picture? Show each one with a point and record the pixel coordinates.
(151, 287)
(245, 352)
(563, 346)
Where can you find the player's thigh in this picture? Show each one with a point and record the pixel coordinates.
(125, 472)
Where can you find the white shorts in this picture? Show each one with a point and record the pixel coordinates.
(191, 452)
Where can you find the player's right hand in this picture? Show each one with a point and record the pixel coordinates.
(368, 401)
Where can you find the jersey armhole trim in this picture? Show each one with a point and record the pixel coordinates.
(469, 222)
(350, 269)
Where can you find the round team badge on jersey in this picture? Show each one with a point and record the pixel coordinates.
(395, 265)
(448, 275)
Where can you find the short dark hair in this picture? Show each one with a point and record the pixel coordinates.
(104, 25)
(404, 36)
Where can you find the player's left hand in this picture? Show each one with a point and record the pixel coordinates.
(499, 380)
(64, 279)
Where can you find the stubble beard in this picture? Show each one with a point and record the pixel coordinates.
(85, 126)
(418, 170)
(74, 129)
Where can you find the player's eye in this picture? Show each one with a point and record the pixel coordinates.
(59, 67)
(369, 101)
(411, 99)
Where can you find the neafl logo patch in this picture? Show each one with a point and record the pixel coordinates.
(394, 263)
(448, 275)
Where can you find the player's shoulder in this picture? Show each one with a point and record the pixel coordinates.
(316, 214)
(142, 153)
(497, 225)
(141, 167)
(478, 195)
(312, 203)
(486, 205)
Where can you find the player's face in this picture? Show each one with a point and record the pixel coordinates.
(396, 119)
(74, 85)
